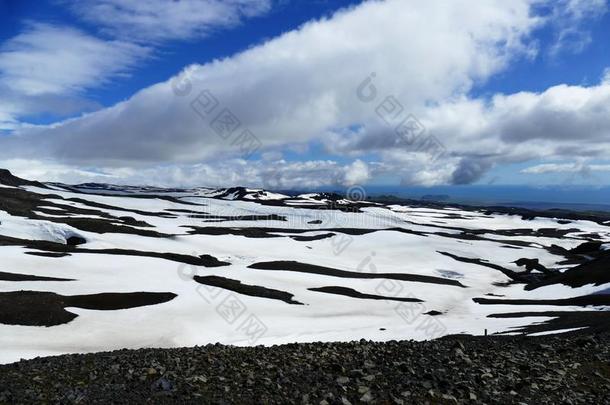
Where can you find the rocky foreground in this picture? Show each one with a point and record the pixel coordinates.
(459, 369)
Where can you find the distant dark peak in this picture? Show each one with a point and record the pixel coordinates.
(120, 188)
(8, 179)
(239, 193)
(260, 193)
(436, 197)
(93, 186)
(328, 196)
(234, 192)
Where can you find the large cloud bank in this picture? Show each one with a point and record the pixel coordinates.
(347, 82)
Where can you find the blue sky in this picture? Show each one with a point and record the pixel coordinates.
(513, 93)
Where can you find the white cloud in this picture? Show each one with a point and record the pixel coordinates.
(48, 59)
(45, 68)
(161, 20)
(357, 173)
(563, 121)
(606, 76)
(278, 175)
(296, 87)
(302, 86)
(566, 168)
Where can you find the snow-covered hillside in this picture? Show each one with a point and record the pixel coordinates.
(96, 267)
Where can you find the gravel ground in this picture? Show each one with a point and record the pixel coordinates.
(458, 369)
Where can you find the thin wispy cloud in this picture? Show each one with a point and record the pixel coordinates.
(162, 20)
(566, 168)
(571, 19)
(47, 68)
(48, 59)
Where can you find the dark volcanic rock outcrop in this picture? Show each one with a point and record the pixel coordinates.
(27, 277)
(246, 289)
(463, 370)
(8, 179)
(350, 292)
(35, 308)
(327, 271)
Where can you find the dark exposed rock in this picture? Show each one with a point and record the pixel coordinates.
(59, 250)
(75, 241)
(586, 248)
(47, 254)
(349, 292)
(313, 237)
(26, 277)
(327, 271)
(211, 261)
(162, 384)
(22, 203)
(567, 369)
(34, 308)
(594, 300)
(251, 290)
(8, 179)
(533, 264)
(220, 218)
(596, 271)
(507, 272)
(586, 321)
